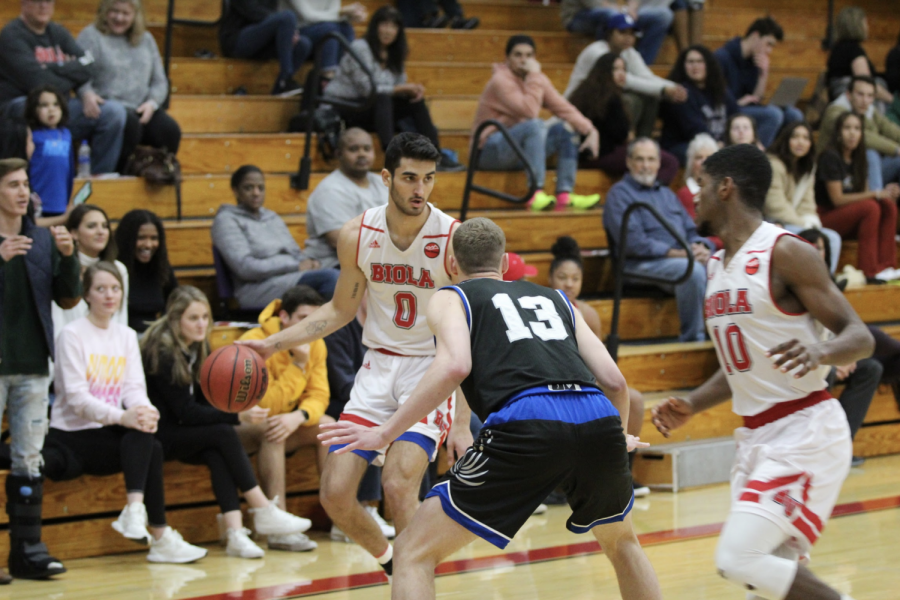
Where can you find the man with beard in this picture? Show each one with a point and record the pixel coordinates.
(766, 291)
(344, 194)
(399, 253)
(651, 248)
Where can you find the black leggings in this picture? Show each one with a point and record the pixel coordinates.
(391, 115)
(161, 131)
(887, 352)
(115, 449)
(219, 448)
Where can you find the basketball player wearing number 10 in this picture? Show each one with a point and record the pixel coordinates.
(765, 290)
(533, 371)
(400, 253)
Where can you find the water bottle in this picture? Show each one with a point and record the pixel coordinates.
(84, 160)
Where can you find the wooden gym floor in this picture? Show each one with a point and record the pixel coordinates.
(858, 555)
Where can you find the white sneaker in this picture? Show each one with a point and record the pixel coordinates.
(171, 548)
(888, 274)
(387, 530)
(271, 520)
(541, 509)
(339, 536)
(291, 542)
(240, 544)
(132, 523)
(640, 491)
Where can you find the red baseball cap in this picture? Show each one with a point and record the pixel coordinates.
(517, 268)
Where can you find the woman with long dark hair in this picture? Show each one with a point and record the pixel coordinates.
(599, 98)
(791, 200)
(707, 108)
(141, 240)
(847, 205)
(399, 105)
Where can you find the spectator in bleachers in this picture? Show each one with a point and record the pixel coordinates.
(103, 417)
(791, 201)
(257, 30)
(51, 164)
(687, 26)
(191, 431)
(424, 13)
(399, 105)
(347, 192)
(882, 135)
(141, 243)
(745, 64)
(89, 226)
(892, 69)
(595, 18)
(514, 96)
(848, 205)
(264, 258)
(643, 88)
(701, 147)
(318, 18)
(36, 52)
(741, 129)
(848, 58)
(127, 68)
(297, 396)
(345, 358)
(651, 248)
(39, 268)
(709, 103)
(599, 98)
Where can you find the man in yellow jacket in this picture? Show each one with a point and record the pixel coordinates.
(296, 399)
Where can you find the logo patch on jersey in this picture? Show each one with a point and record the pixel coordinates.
(367, 365)
(401, 275)
(752, 266)
(564, 387)
(432, 250)
(374, 244)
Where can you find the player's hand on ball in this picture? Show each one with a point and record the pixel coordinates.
(635, 442)
(671, 414)
(259, 346)
(356, 436)
(792, 354)
(254, 416)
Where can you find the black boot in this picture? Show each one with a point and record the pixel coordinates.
(28, 556)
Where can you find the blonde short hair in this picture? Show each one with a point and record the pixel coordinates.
(849, 25)
(138, 28)
(479, 245)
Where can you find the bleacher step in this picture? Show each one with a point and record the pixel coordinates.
(682, 465)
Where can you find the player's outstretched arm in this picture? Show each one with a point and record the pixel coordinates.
(674, 412)
(452, 363)
(798, 271)
(331, 316)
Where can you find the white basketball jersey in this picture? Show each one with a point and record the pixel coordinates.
(401, 283)
(744, 322)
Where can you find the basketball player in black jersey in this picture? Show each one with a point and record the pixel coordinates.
(533, 371)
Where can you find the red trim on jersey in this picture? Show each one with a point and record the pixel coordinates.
(373, 228)
(783, 409)
(390, 352)
(426, 237)
(761, 251)
(362, 223)
(765, 486)
(447, 249)
(714, 258)
(749, 497)
(358, 420)
(812, 517)
(805, 529)
(771, 297)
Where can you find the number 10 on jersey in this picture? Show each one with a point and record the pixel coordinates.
(734, 351)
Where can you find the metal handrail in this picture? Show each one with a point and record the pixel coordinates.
(300, 179)
(475, 154)
(612, 342)
(171, 21)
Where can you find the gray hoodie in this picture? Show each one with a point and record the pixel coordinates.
(260, 251)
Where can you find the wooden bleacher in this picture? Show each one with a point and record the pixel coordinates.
(223, 131)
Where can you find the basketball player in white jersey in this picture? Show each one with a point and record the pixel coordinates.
(765, 290)
(400, 253)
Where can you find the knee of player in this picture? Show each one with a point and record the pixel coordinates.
(399, 488)
(734, 563)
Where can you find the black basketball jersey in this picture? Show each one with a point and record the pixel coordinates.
(522, 336)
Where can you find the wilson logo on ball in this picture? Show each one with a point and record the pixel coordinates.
(244, 384)
(752, 266)
(432, 250)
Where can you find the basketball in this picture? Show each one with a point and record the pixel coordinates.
(234, 378)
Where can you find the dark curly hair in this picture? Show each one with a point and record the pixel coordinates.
(126, 240)
(565, 249)
(715, 80)
(34, 99)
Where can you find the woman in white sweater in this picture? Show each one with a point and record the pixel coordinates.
(104, 420)
(791, 200)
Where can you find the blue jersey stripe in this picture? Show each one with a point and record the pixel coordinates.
(541, 404)
(465, 302)
(442, 491)
(571, 308)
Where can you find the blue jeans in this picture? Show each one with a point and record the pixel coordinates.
(537, 142)
(331, 50)
(890, 169)
(654, 24)
(104, 134)
(689, 296)
(274, 36)
(876, 173)
(27, 400)
(321, 280)
(834, 243)
(769, 120)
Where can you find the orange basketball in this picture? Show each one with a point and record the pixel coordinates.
(234, 378)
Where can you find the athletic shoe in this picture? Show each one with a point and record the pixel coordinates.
(541, 509)
(640, 490)
(541, 201)
(447, 165)
(132, 523)
(291, 542)
(339, 536)
(240, 544)
(271, 520)
(171, 548)
(579, 201)
(857, 461)
(387, 530)
(888, 274)
(286, 87)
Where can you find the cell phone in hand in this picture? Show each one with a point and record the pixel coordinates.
(82, 195)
